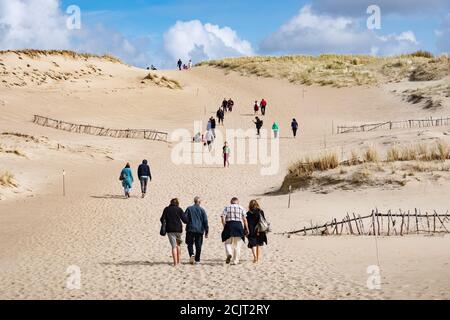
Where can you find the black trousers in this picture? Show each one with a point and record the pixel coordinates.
(197, 240)
(295, 132)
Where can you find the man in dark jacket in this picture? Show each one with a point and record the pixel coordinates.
(145, 176)
(259, 124)
(220, 115)
(197, 227)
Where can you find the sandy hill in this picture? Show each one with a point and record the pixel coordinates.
(116, 243)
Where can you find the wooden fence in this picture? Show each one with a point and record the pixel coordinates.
(381, 224)
(100, 131)
(390, 125)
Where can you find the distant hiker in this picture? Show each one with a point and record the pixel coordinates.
(209, 125)
(145, 176)
(294, 126)
(235, 228)
(256, 107)
(209, 140)
(197, 227)
(230, 105)
(259, 124)
(126, 176)
(275, 129)
(226, 155)
(256, 238)
(190, 64)
(197, 138)
(213, 126)
(172, 225)
(263, 105)
(153, 68)
(220, 115)
(180, 64)
(225, 105)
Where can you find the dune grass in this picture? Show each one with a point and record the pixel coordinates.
(7, 180)
(340, 70)
(32, 53)
(162, 81)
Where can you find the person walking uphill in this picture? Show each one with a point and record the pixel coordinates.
(256, 239)
(220, 115)
(235, 228)
(275, 129)
(144, 176)
(172, 225)
(263, 107)
(259, 124)
(126, 176)
(294, 126)
(197, 227)
(226, 155)
(180, 64)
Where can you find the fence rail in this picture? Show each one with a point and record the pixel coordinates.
(390, 125)
(101, 131)
(381, 224)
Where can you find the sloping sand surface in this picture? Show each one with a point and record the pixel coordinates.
(116, 242)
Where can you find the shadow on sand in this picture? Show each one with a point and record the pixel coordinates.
(211, 263)
(110, 196)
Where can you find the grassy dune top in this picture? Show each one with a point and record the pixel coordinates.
(31, 53)
(341, 70)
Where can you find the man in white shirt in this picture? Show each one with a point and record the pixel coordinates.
(235, 228)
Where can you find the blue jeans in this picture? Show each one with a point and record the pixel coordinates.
(144, 183)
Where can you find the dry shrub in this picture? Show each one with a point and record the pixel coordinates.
(361, 176)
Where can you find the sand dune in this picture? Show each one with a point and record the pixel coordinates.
(116, 243)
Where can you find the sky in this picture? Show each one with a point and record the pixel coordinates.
(144, 32)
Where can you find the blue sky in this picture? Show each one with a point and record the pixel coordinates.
(158, 31)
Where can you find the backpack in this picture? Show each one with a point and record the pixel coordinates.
(263, 225)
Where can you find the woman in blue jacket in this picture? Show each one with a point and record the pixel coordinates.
(126, 176)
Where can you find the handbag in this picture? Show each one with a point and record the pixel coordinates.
(163, 231)
(263, 225)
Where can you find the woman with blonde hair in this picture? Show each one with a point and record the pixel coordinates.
(256, 239)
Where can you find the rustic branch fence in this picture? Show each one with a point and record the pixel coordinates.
(100, 131)
(381, 224)
(390, 125)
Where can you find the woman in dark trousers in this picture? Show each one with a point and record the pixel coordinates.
(294, 126)
(256, 240)
(145, 176)
(173, 216)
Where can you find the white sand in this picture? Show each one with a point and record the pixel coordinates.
(116, 242)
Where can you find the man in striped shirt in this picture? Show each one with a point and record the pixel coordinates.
(235, 228)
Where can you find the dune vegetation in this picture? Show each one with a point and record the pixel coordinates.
(7, 179)
(368, 167)
(162, 81)
(32, 53)
(340, 70)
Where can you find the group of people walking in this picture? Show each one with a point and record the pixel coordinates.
(144, 175)
(260, 107)
(238, 226)
(259, 123)
(183, 66)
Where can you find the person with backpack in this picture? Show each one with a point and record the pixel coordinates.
(126, 176)
(144, 175)
(259, 124)
(294, 126)
(257, 238)
(220, 115)
(263, 107)
(275, 129)
(197, 227)
(172, 221)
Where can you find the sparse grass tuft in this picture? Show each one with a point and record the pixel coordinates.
(7, 179)
(371, 155)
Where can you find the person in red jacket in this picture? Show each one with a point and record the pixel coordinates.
(263, 107)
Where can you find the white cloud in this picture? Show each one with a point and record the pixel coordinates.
(41, 24)
(32, 24)
(197, 41)
(443, 36)
(313, 33)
